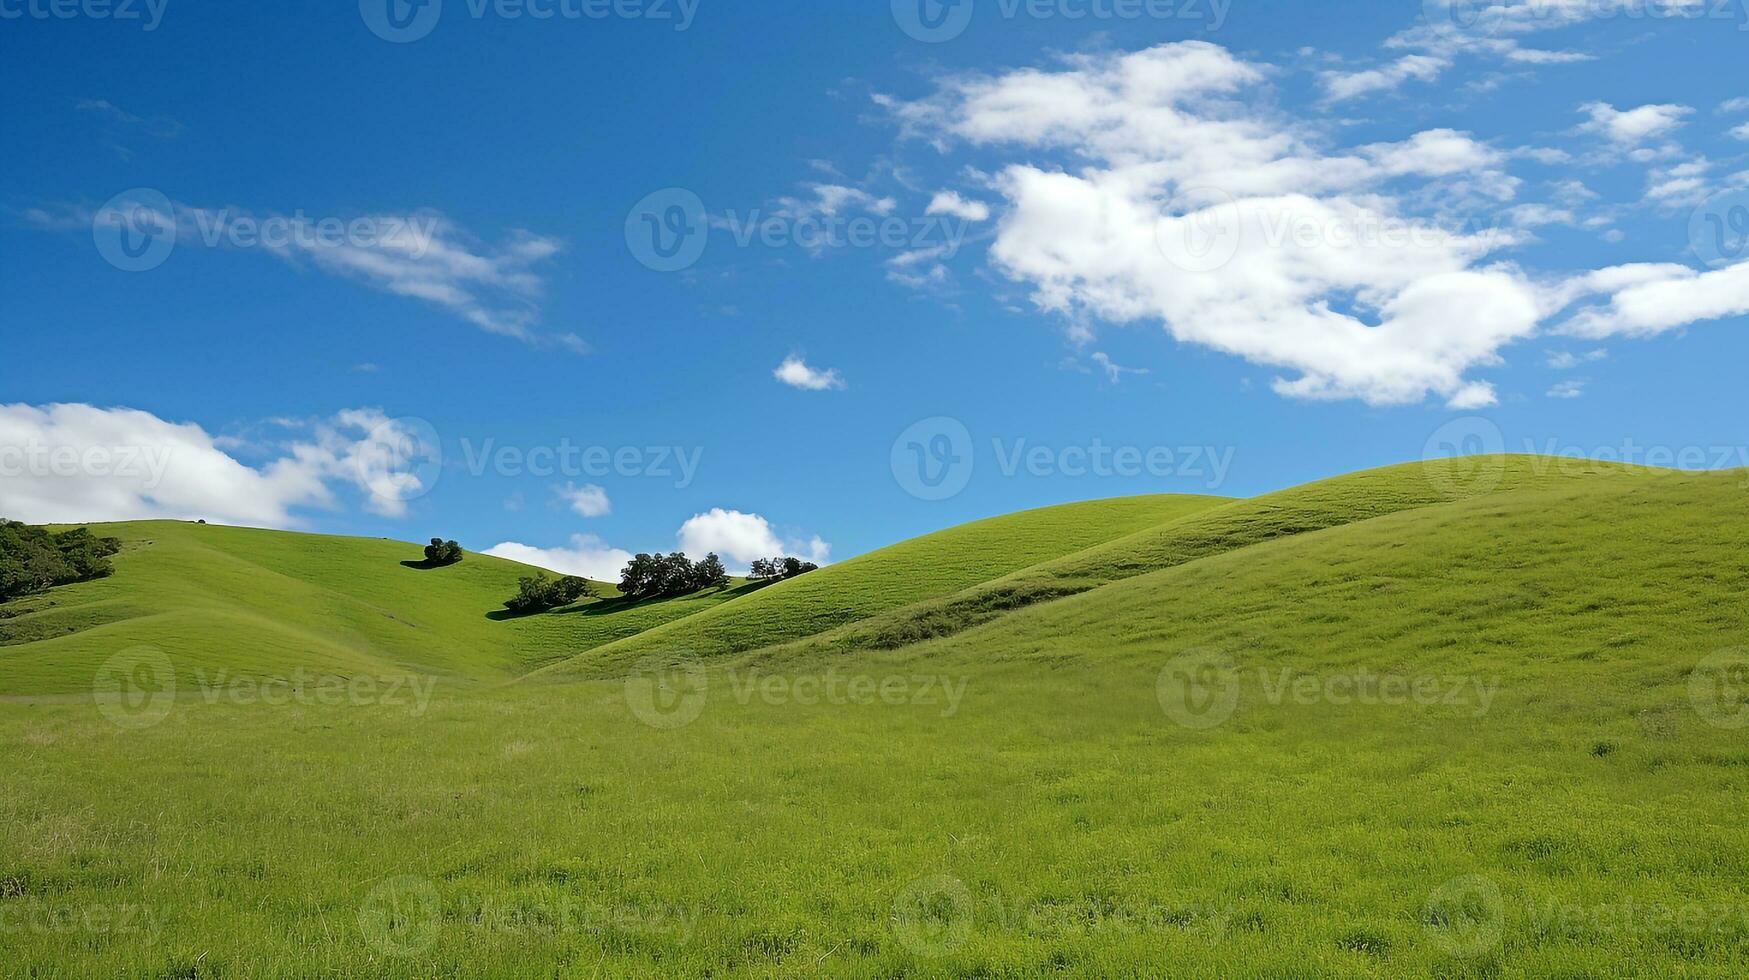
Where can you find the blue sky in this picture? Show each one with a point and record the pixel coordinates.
(1220, 247)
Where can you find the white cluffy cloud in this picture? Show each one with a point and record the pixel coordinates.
(71, 463)
(796, 373)
(588, 500)
(1631, 127)
(1496, 30)
(588, 556)
(1648, 299)
(1157, 186)
(950, 203)
(743, 538)
(1166, 149)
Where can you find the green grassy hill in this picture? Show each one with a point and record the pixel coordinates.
(265, 603)
(1201, 528)
(1421, 721)
(896, 577)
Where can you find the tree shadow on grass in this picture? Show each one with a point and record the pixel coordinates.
(425, 565)
(613, 604)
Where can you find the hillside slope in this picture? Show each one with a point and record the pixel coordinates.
(1499, 736)
(1196, 534)
(264, 603)
(898, 576)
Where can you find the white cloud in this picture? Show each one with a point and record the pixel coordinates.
(421, 256)
(1433, 153)
(1741, 132)
(950, 203)
(588, 500)
(1114, 371)
(742, 538)
(71, 463)
(831, 200)
(1740, 104)
(1682, 185)
(588, 556)
(1567, 389)
(1340, 85)
(1644, 300)
(1160, 186)
(1632, 126)
(796, 373)
(1450, 29)
(1166, 146)
(1567, 360)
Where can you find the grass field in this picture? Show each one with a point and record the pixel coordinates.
(1411, 722)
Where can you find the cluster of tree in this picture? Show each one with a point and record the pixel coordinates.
(537, 593)
(768, 569)
(653, 576)
(441, 552)
(33, 559)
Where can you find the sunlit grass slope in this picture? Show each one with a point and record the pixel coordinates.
(901, 575)
(1205, 533)
(1550, 792)
(265, 603)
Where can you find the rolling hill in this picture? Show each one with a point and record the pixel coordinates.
(1474, 719)
(263, 603)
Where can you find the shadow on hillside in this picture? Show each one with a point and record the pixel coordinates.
(618, 603)
(424, 565)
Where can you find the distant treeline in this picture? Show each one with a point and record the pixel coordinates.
(648, 577)
(34, 559)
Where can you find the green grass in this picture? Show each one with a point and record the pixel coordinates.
(895, 577)
(1026, 800)
(266, 602)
